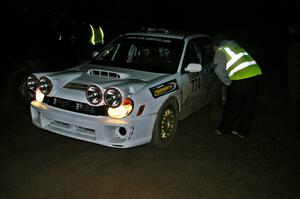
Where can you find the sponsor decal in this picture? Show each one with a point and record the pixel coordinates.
(164, 88)
(76, 86)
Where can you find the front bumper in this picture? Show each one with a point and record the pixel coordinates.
(118, 133)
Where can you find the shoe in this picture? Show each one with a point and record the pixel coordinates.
(236, 133)
(218, 132)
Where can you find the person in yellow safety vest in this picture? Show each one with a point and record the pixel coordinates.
(97, 35)
(241, 74)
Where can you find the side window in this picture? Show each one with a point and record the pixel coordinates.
(109, 53)
(192, 55)
(207, 51)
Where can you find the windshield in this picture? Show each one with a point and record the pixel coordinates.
(153, 54)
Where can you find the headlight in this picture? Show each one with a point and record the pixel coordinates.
(94, 94)
(32, 82)
(122, 110)
(45, 85)
(39, 96)
(112, 97)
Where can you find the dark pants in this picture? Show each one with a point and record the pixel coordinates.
(239, 106)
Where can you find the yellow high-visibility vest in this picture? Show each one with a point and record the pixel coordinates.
(240, 65)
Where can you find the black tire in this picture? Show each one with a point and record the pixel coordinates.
(17, 91)
(25, 94)
(166, 124)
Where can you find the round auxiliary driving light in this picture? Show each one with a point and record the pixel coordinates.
(45, 85)
(94, 94)
(112, 97)
(32, 82)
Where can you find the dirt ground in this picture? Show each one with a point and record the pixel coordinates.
(198, 164)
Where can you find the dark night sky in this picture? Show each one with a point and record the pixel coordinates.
(252, 16)
(171, 12)
(261, 27)
(249, 22)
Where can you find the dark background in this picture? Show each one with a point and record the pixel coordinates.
(198, 164)
(262, 28)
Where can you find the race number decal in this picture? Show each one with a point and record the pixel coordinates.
(196, 84)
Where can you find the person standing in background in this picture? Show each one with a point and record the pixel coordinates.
(293, 61)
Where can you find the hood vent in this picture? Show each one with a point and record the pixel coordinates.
(102, 73)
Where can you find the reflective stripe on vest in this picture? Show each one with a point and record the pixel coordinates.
(235, 64)
(241, 66)
(234, 57)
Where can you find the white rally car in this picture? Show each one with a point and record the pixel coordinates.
(132, 93)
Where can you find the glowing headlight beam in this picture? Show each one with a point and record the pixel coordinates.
(39, 96)
(121, 111)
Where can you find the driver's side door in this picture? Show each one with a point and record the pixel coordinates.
(193, 92)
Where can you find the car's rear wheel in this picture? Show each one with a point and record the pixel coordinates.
(166, 125)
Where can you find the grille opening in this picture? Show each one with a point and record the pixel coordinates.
(62, 123)
(74, 106)
(96, 72)
(86, 129)
(114, 75)
(104, 73)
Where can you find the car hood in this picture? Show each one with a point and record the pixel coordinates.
(72, 83)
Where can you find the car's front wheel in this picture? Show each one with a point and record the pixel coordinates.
(25, 95)
(17, 91)
(165, 125)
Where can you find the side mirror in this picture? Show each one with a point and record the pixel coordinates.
(193, 68)
(94, 53)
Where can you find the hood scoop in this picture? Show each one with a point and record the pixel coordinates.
(108, 74)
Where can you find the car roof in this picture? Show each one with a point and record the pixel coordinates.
(176, 34)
